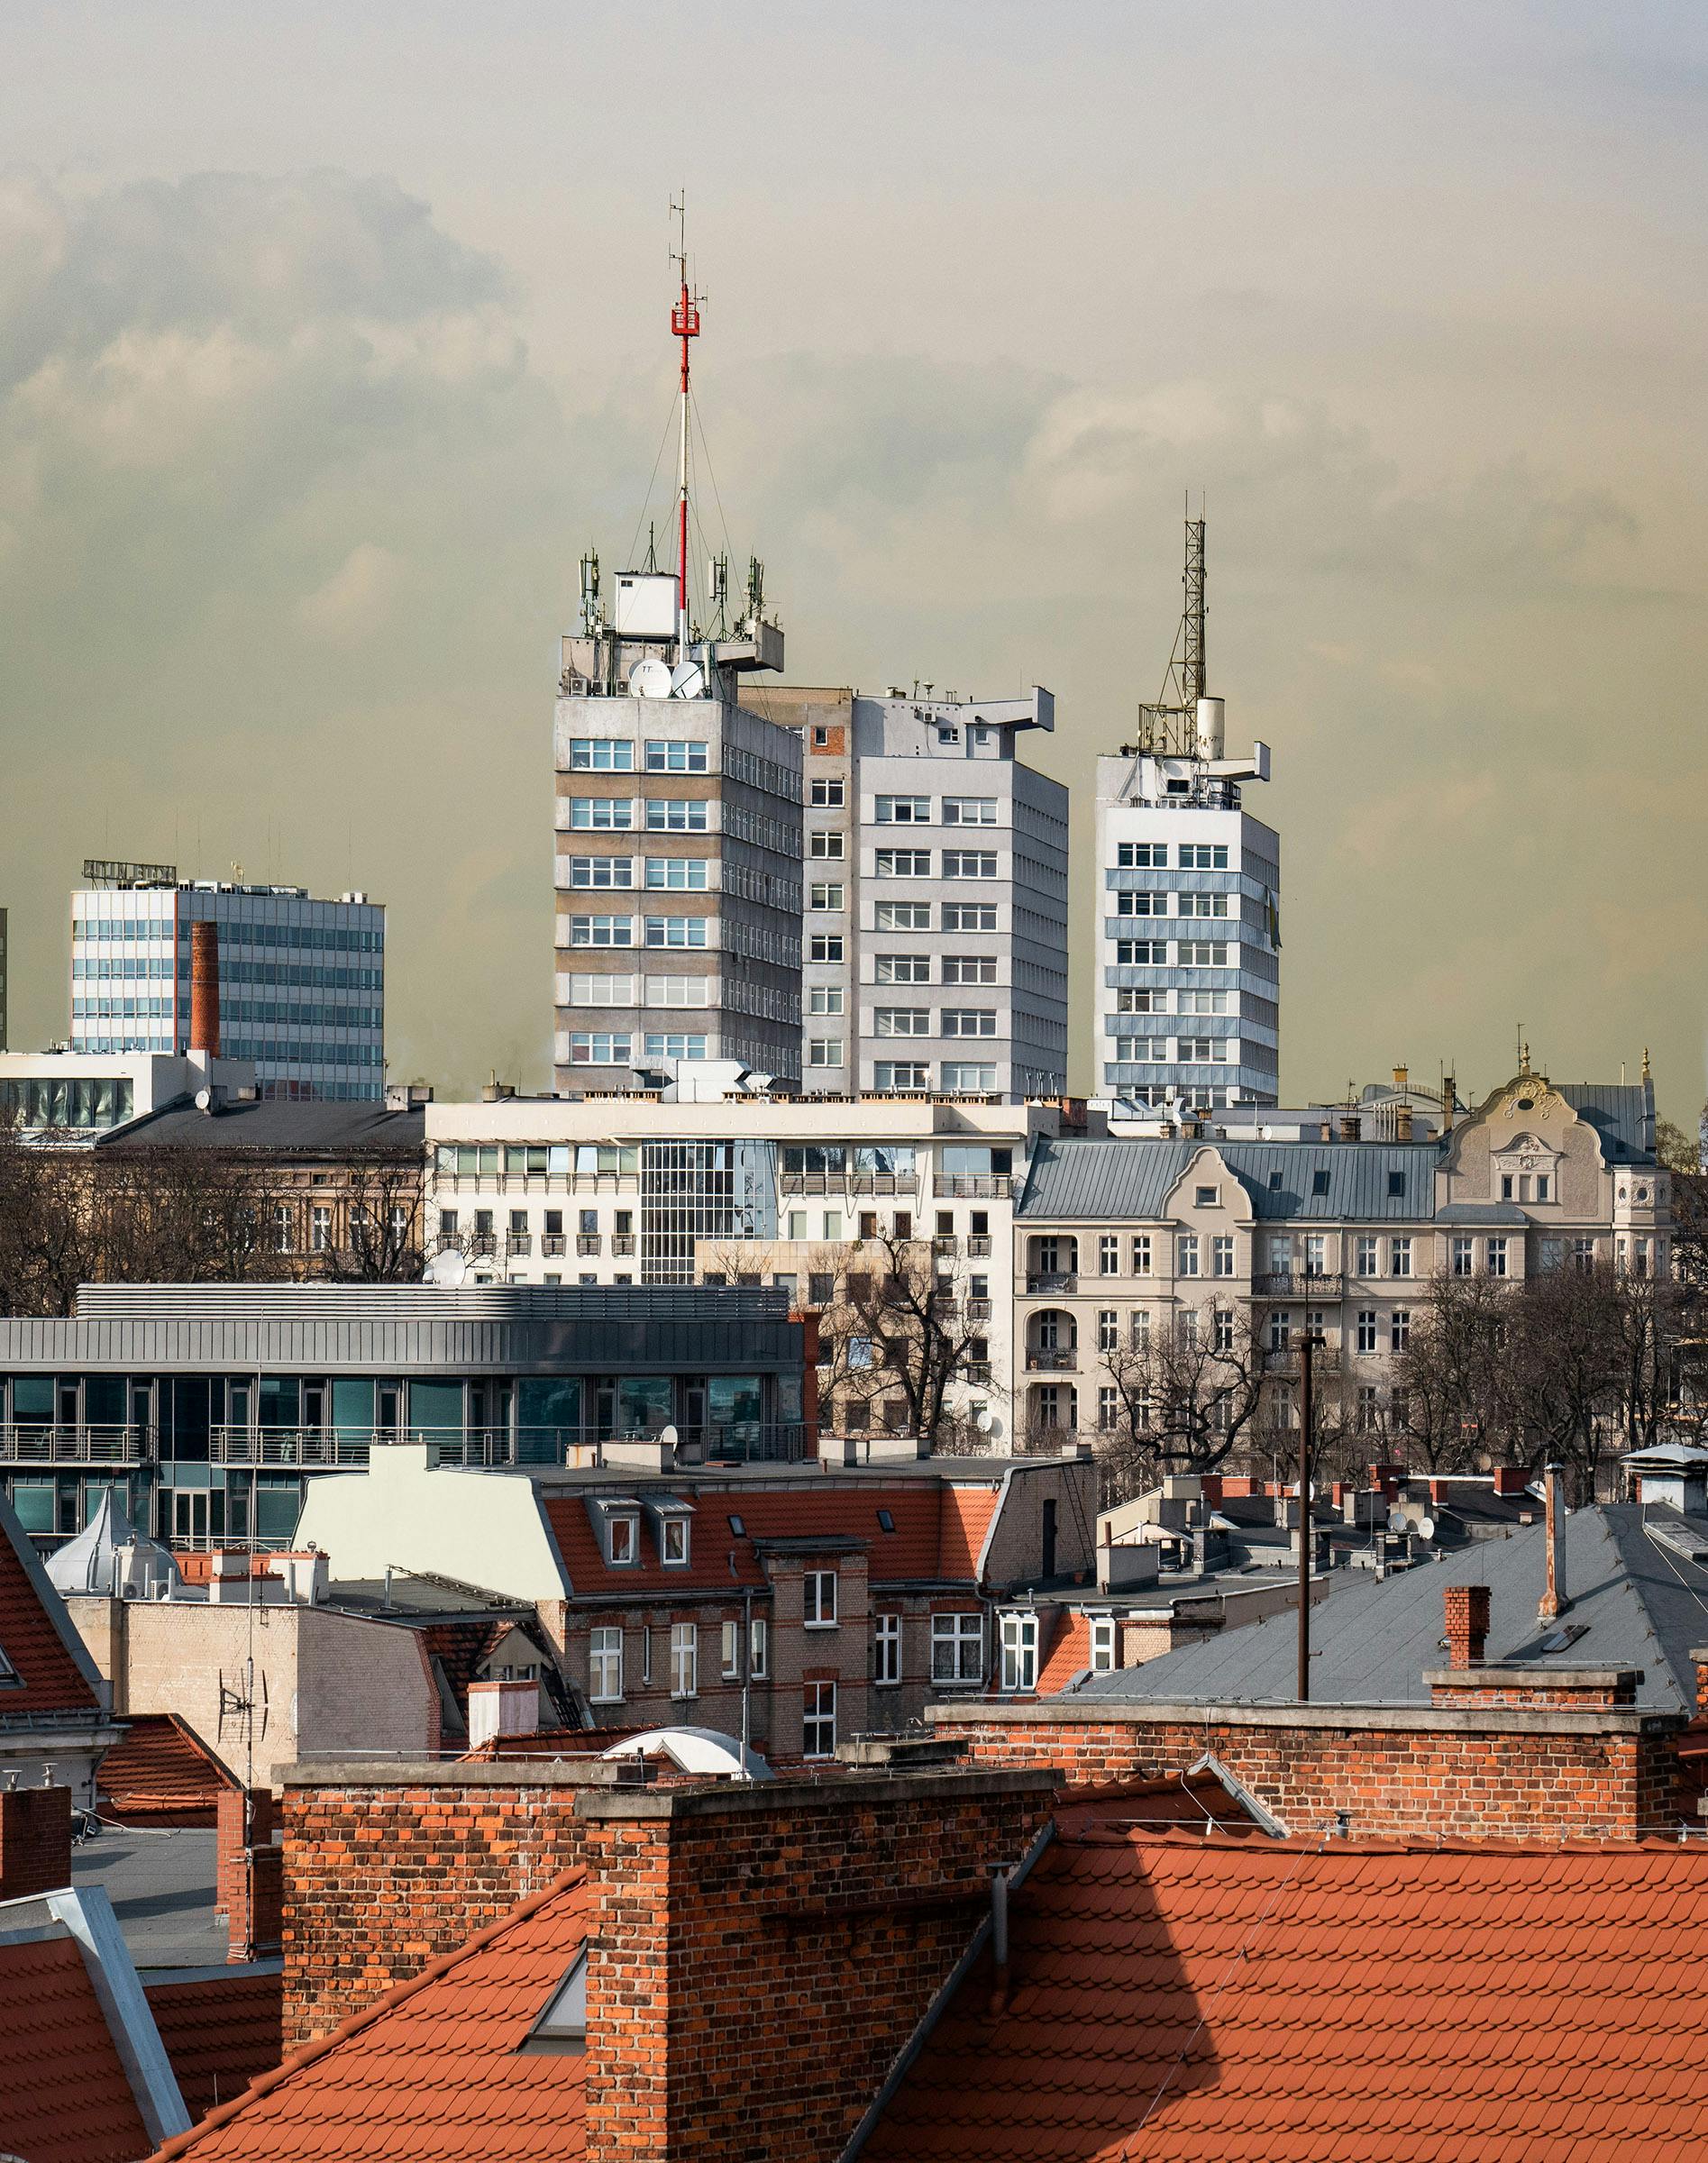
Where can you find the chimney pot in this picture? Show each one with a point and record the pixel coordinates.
(1351, 1127)
(1402, 1123)
(1467, 1624)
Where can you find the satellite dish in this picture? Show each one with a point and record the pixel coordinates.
(203, 1099)
(686, 681)
(1398, 1522)
(1425, 1528)
(650, 679)
(667, 1438)
(451, 1267)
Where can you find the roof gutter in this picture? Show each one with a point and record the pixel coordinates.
(909, 2055)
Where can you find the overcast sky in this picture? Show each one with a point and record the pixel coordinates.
(330, 335)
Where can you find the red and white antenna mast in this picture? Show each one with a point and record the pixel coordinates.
(684, 325)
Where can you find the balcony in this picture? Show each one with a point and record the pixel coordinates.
(979, 1246)
(553, 1243)
(303, 1449)
(1052, 1280)
(978, 1371)
(76, 1443)
(480, 1242)
(978, 1311)
(623, 1243)
(849, 1183)
(519, 1243)
(1050, 1360)
(295, 1449)
(1297, 1284)
(945, 1243)
(588, 1243)
(974, 1186)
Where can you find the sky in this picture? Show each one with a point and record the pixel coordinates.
(330, 335)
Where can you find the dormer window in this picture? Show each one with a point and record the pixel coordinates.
(562, 2028)
(622, 1541)
(673, 1547)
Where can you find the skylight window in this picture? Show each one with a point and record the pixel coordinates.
(1396, 1182)
(1567, 1635)
(562, 2028)
(1274, 1183)
(738, 1528)
(1320, 1182)
(8, 1673)
(886, 1522)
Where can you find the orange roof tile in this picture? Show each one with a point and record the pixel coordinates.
(1069, 1654)
(430, 2071)
(162, 1772)
(220, 2033)
(64, 2097)
(36, 1635)
(1192, 2000)
(938, 1531)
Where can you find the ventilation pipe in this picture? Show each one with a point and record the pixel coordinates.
(204, 989)
(1554, 1602)
(999, 1938)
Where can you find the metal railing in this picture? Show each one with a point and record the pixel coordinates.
(1052, 1280)
(1052, 1361)
(77, 1442)
(588, 1243)
(978, 1311)
(1297, 1284)
(849, 1183)
(745, 1441)
(519, 1243)
(978, 1246)
(974, 1186)
(553, 1243)
(622, 1242)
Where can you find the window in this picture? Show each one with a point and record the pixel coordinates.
(1141, 1051)
(601, 931)
(1222, 1254)
(1141, 1254)
(1462, 1251)
(319, 1230)
(969, 863)
(906, 916)
(1396, 1183)
(758, 1649)
(601, 754)
(684, 1659)
(968, 968)
(677, 991)
(1206, 1197)
(1186, 1255)
(826, 893)
(1399, 1258)
(1495, 1250)
(1541, 1187)
(1506, 1186)
(1141, 905)
(1366, 1256)
(676, 754)
(1203, 1051)
(969, 916)
(969, 1021)
(1108, 1409)
(605, 1665)
(1109, 1255)
(601, 990)
(670, 1045)
(561, 2029)
(957, 1648)
(1207, 1002)
(1223, 1336)
(597, 1048)
(824, 999)
(819, 1600)
(676, 873)
(1279, 1330)
(673, 1544)
(825, 1051)
(902, 810)
(899, 1073)
(677, 931)
(827, 794)
(601, 871)
(731, 1663)
(1204, 954)
(1316, 1254)
(818, 1720)
(1203, 856)
(962, 1074)
(903, 968)
(969, 810)
(1367, 1330)
(1141, 1003)
(1582, 1254)
(824, 946)
(1103, 1649)
(622, 1540)
(828, 843)
(901, 1021)
(675, 815)
(1109, 1330)
(603, 814)
(902, 863)
(1141, 855)
(1142, 954)
(1020, 1652)
(886, 1665)
(1203, 905)
(1399, 1328)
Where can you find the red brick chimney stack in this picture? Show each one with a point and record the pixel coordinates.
(1467, 1624)
(35, 1841)
(204, 989)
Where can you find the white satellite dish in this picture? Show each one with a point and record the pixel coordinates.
(667, 1438)
(688, 681)
(450, 1267)
(1425, 1528)
(650, 679)
(1398, 1522)
(203, 1099)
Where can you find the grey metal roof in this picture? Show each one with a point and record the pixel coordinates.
(411, 1328)
(1481, 1212)
(1112, 1182)
(1617, 1111)
(1644, 1603)
(312, 1129)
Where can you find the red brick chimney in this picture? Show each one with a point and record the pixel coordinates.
(35, 1841)
(249, 1885)
(1467, 1624)
(204, 989)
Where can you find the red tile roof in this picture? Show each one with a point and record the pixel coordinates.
(64, 2097)
(36, 1634)
(1068, 1653)
(1190, 2000)
(162, 1774)
(220, 2032)
(939, 1529)
(431, 2072)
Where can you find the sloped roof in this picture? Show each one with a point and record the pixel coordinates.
(64, 2094)
(430, 2071)
(1617, 1111)
(319, 1128)
(1112, 1182)
(1194, 2000)
(162, 1772)
(1639, 1601)
(53, 1671)
(221, 2032)
(939, 1530)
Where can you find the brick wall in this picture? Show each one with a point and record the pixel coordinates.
(381, 1874)
(249, 1876)
(35, 1840)
(760, 1955)
(1480, 1772)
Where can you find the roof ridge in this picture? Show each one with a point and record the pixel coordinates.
(309, 2054)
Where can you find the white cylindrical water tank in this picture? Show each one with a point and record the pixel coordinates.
(1213, 727)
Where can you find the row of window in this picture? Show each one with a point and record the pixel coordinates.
(654, 931)
(618, 813)
(659, 754)
(1186, 1001)
(323, 938)
(916, 863)
(916, 811)
(642, 991)
(1153, 856)
(1155, 904)
(601, 1047)
(916, 1021)
(1188, 953)
(1187, 1051)
(1053, 1254)
(960, 1076)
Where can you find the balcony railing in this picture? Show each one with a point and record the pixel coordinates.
(849, 1183)
(978, 1246)
(743, 1441)
(553, 1243)
(76, 1443)
(978, 1311)
(945, 1243)
(1052, 1280)
(623, 1243)
(1051, 1360)
(519, 1243)
(588, 1243)
(974, 1186)
(1297, 1284)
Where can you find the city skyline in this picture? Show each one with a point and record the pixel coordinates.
(954, 395)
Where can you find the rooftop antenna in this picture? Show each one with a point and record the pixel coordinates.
(684, 325)
(1171, 724)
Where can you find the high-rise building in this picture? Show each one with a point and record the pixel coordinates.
(936, 896)
(1186, 1002)
(302, 982)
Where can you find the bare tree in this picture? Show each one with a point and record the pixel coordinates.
(900, 1331)
(48, 1240)
(1187, 1398)
(381, 1238)
(1453, 1397)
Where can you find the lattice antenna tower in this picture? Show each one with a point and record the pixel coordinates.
(1170, 726)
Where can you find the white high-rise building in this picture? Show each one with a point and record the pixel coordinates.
(1186, 999)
